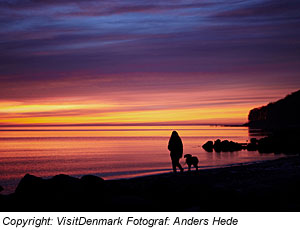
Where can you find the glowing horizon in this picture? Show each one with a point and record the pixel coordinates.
(213, 109)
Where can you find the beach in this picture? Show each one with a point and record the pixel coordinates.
(262, 186)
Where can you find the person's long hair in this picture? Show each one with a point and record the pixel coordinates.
(174, 136)
(175, 142)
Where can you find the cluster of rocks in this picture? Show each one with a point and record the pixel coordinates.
(67, 193)
(36, 193)
(288, 144)
(66, 183)
(223, 146)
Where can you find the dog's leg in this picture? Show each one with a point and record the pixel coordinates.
(189, 167)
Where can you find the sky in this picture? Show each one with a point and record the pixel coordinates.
(142, 62)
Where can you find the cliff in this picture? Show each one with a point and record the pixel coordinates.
(284, 113)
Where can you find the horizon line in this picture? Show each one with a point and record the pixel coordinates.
(119, 124)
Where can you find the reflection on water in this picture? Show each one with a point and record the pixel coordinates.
(257, 133)
(110, 152)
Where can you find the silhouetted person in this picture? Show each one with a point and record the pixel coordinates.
(176, 149)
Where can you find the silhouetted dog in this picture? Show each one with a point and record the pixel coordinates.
(190, 160)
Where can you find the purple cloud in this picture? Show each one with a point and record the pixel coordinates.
(57, 41)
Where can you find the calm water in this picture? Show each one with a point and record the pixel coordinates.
(110, 152)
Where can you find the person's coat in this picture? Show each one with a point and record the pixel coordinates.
(175, 145)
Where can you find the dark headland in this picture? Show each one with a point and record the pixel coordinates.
(281, 119)
(282, 114)
(262, 186)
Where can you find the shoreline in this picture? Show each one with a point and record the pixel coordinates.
(145, 173)
(270, 185)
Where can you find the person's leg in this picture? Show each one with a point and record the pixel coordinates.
(179, 165)
(173, 164)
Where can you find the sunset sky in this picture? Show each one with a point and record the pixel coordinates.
(141, 62)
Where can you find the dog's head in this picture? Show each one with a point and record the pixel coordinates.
(187, 155)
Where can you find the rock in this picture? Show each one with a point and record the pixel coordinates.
(253, 141)
(217, 145)
(65, 183)
(30, 185)
(208, 146)
(252, 146)
(93, 186)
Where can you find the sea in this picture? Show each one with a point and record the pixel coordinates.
(113, 152)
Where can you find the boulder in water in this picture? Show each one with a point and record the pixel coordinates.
(208, 146)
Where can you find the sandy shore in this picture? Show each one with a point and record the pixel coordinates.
(263, 186)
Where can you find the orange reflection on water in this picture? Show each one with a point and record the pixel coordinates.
(109, 152)
(122, 131)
